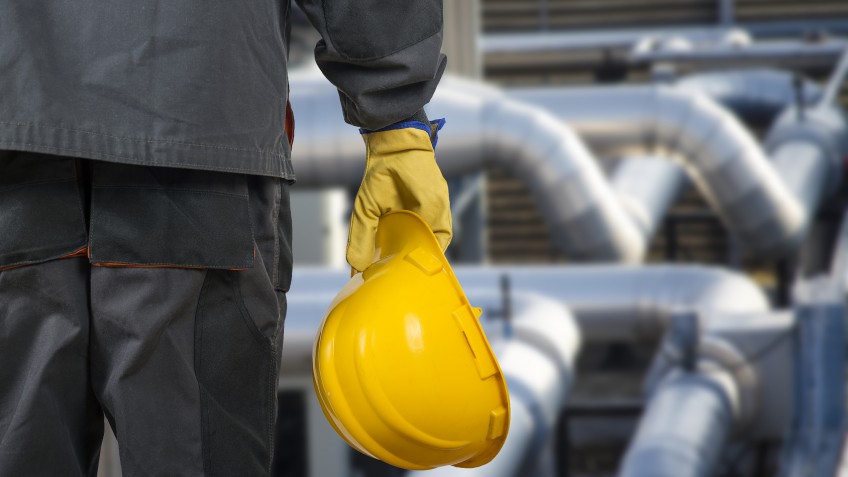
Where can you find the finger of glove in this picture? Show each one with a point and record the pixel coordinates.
(425, 192)
(363, 230)
(437, 213)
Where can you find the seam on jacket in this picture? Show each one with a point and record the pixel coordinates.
(132, 160)
(169, 189)
(275, 223)
(136, 139)
(36, 184)
(372, 58)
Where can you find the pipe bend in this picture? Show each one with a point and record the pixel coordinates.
(724, 291)
(732, 171)
(571, 190)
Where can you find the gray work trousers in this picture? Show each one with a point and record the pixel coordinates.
(155, 297)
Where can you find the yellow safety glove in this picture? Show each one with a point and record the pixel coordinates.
(400, 174)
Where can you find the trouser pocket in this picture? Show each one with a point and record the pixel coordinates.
(41, 216)
(160, 217)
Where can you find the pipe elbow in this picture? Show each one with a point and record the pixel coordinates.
(573, 194)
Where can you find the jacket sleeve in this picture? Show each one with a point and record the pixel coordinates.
(382, 55)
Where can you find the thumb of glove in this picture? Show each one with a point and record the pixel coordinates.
(361, 236)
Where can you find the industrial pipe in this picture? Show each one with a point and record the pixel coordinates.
(609, 302)
(534, 43)
(755, 95)
(635, 182)
(839, 260)
(767, 203)
(816, 441)
(682, 433)
(777, 52)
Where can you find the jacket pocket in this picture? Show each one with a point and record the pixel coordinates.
(41, 215)
(285, 258)
(270, 206)
(161, 217)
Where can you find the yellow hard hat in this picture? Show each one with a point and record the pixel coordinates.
(401, 366)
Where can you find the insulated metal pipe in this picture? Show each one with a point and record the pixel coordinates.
(571, 190)
(839, 260)
(635, 182)
(816, 441)
(688, 420)
(755, 197)
(533, 43)
(755, 95)
(768, 52)
(834, 85)
(609, 302)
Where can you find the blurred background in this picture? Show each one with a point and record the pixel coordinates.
(648, 195)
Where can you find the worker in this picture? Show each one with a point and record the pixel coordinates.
(145, 230)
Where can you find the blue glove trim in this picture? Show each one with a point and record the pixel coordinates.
(439, 123)
(399, 125)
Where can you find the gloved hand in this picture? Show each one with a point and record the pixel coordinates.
(400, 174)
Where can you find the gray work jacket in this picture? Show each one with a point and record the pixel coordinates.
(201, 84)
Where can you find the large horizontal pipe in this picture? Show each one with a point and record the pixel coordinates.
(609, 302)
(528, 43)
(755, 95)
(523, 43)
(770, 53)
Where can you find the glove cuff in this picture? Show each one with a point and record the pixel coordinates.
(432, 129)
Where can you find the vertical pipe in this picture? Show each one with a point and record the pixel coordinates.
(839, 261)
(815, 443)
(726, 12)
(461, 34)
(834, 85)
(804, 167)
